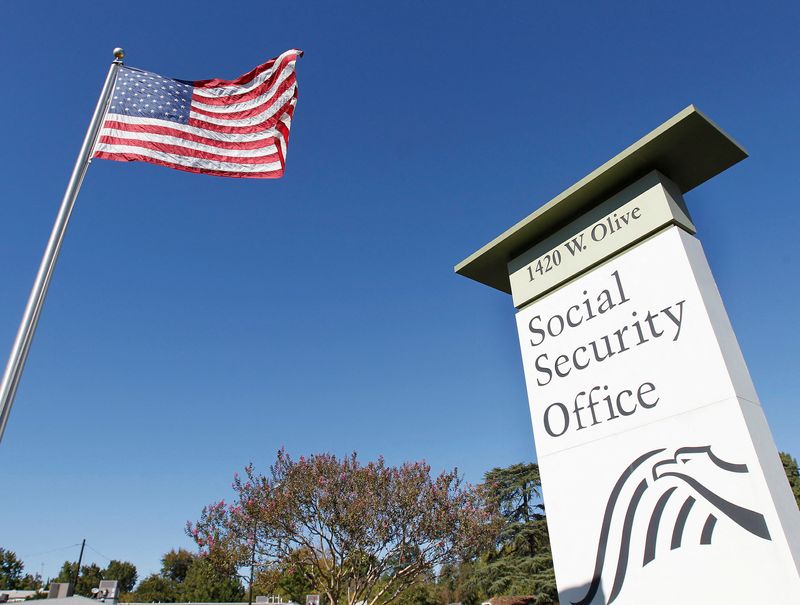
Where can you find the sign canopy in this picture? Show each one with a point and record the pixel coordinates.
(688, 148)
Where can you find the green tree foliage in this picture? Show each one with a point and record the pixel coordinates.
(156, 589)
(514, 576)
(188, 577)
(515, 491)
(91, 575)
(520, 562)
(423, 592)
(210, 584)
(355, 531)
(455, 585)
(11, 573)
(90, 578)
(67, 572)
(792, 474)
(284, 579)
(123, 572)
(175, 564)
(11, 569)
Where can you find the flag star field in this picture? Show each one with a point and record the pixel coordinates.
(145, 94)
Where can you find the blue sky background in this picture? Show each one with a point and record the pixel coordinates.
(195, 323)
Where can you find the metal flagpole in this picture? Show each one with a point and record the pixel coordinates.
(22, 342)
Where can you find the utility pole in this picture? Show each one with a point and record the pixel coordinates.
(80, 558)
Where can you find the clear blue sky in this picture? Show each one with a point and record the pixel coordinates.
(196, 323)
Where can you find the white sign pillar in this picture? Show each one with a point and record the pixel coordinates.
(662, 483)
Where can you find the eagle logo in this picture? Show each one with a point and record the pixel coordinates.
(665, 474)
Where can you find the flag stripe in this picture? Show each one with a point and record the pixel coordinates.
(201, 95)
(183, 147)
(245, 83)
(150, 125)
(183, 160)
(133, 157)
(239, 110)
(183, 155)
(148, 132)
(237, 128)
(263, 116)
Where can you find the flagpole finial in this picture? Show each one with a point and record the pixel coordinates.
(119, 53)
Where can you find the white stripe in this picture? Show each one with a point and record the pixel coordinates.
(225, 91)
(243, 105)
(279, 104)
(188, 161)
(202, 132)
(168, 140)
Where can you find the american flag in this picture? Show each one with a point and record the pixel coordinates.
(237, 128)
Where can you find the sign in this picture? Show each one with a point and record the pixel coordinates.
(660, 478)
(652, 446)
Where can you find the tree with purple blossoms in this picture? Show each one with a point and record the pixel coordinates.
(356, 532)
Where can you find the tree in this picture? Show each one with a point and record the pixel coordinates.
(455, 583)
(422, 592)
(188, 577)
(123, 572)
(283, 579)
(30, 582)
(33, 582)
(356, 532)
(521, 562)
(91, 575)
(792, 474)
(175, 564)
(67, 572)
(207, 583)
(515, 492)
(10, 570)
(90, 578)
(157, 589)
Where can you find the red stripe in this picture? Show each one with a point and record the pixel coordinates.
(280, 151)
(253, 111)
(281, 127)
(258, 90)
(190, 153)
(241, 80)
(173, 132)
(133, 157)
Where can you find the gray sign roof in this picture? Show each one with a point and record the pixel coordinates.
(688, 148)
